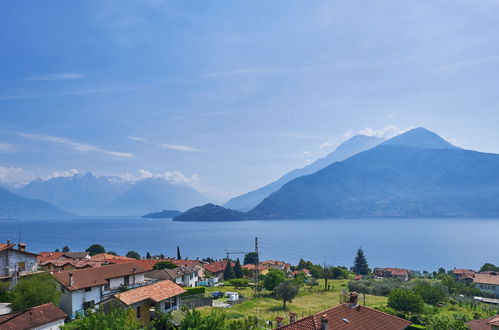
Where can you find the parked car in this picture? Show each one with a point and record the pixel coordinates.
(217, 294)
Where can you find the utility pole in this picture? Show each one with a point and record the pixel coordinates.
(256, 264)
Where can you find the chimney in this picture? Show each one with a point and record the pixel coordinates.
(292, 317)
(353, 300)
(71, 281)
(22, 247)
(8, 241)
(278, 320)
(324, 322)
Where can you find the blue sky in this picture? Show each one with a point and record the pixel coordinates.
(229, 95)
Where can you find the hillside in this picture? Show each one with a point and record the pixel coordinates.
(347, 149)
(211, 212)
(414, 175)
(163, 214)
(14, 206)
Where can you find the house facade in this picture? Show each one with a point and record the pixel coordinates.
(400, 273)
(16, 262)
(216, 269)
(488, 284)
(82, 289)
(183, 275)
(161, 296)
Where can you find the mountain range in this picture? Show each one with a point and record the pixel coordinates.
(86, 194)
(352, 146)
(14, 206)
(416, 174)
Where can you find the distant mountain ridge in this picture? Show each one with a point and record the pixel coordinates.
(14, 206)
(165, 214)
(211, 212)
(86, 194)
(352, 146)
(416, 174)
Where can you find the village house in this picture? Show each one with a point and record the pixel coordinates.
(46, 256)
(349, 316)
(487, 283)
(304, 271)
(490, 323)
(400, 273)
(161, 296)
(463, 275)
(58, 265)
(107, 258)
(183, 275)
(276, 264)
(42, 317)
(15, 263)
(262, 269)
(199, 264)
(216, 269)
(83, 288)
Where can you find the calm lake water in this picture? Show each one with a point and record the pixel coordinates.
(422, 244)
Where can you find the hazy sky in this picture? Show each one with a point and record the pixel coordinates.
(229, 95)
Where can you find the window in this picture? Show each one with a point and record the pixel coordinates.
(88, 304)
(170, 302)
(63, 290)
(126, 280)
(88, 289)
(106, 286)
(138, 312)
(21, 265)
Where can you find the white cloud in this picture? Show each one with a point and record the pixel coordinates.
(57, 76)
(178, 147)
(173, 177)
(7, 147)
(386, 132)
(64, 174)
(333, 143)
(136, 138)
(15, 176)
(77, 145)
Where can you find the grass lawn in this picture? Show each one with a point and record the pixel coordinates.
(307, 302)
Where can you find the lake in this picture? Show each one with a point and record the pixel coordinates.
(421, 244)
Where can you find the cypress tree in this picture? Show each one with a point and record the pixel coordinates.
(148, 255)
(238, 271)
(178, 254)
(360, 266)
(229, 271)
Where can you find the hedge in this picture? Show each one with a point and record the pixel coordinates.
(194, 290)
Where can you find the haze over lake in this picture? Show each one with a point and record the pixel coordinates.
(421, 244)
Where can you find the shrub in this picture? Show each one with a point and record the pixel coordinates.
(33, 291)
(164, 265)
(405, 300)
(446, 322)
(194, 290)
(431, 293)
(133, 254)
(272, 279)
(239, 282)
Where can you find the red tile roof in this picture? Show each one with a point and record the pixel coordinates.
(85, 278)
(157, 292)
(484, 324)
(105, 257)
(31, 318)
(6, 246)
(486, 279)
(188, 263)
(304, 270)
(217, 266)
(345, 317)
(463, 272)
(253, 267)
(75, 263)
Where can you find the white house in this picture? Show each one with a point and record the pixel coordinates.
(42, 317)
(16, 262)
(83, 288)
(183, 275)
(487, 283)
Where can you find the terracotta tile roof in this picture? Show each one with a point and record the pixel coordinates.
(189, 263)
(344, 317)
(486, 279)
(253, 267)
(76, 255)
(157, 292)
(31, 318)
(44, 256)
(105, 257)
(392, 271)
(217, 266)
(463, 272)
(6, 246)
(75, 263)
(484, 324)
(304, 270)
(171, 274)
(89, 277)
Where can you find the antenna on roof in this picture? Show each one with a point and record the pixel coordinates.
(19, 240)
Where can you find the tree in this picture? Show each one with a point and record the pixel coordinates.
(114, 319)
(250, 258)
(148, 255)
(300, 279)
(311, 283)
(193, 319)
(4, 292)
(113, 253)
(302, 264)
(57, 250)
(286, 291)
(229, 271)
(441, 321)
(33, 291)
(164, 265)
(405, 300)
(238, 271)
(95, 249)
(431, 293)
(360, 266)
(272, 279)
(178, 253)
(133, 254)
(327, 274)
(66, 249)
(487, 267)
(162, 321)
